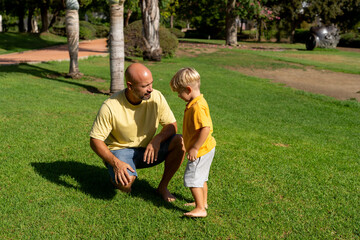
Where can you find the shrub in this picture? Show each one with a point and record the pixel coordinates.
(87, 30)
(177, 32)
(134, 45)
(350, 40)
(101, 31)
(301, 35)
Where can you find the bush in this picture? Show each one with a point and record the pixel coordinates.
(301, 35)
(101, 31)
(177, 32)
(134, 45)
(350, 40)
(58, 30)
(87, 30)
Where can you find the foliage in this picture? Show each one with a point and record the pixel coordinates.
(177, 32)
(350, 40)
(87, 30)
(301, 35)
(134, 45)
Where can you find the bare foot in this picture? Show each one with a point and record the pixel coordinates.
(193, 204)
(196, 213)
(166, 195)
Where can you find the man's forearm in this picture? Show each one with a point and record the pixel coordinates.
(167, 131)
(100, 148)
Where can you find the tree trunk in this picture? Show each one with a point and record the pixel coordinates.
(44, 16)
(116, 39)
(259, 26)
(128, 15)
(21, 15)
(151, 24)
(72, 33)
(29, 23)
(172, 21)
(231, 29)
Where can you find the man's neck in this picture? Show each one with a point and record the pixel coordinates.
(130, 98)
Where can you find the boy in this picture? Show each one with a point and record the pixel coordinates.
(199, 144)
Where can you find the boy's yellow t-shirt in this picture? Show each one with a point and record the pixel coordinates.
(197, 116)
(123, 125)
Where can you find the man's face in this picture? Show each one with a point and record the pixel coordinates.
(142, 90)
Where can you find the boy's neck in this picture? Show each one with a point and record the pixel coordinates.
(194, 94)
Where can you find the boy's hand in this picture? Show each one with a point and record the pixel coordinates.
(192, 154)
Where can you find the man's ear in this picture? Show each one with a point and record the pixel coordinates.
(129, 85)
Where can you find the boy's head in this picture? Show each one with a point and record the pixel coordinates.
(185, 77)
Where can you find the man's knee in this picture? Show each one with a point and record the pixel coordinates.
(177, 143)
(126, 188)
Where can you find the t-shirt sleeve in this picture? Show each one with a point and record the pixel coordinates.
(201, 118)
(102, 125)
(166, 116)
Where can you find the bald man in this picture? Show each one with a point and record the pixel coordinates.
(123, 133)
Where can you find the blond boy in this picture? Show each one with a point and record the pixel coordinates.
(199, 143)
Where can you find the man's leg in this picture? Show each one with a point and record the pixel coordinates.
(173, 161)
(126, 188)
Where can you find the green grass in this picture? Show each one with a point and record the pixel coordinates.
(286, 165)
(15, 42)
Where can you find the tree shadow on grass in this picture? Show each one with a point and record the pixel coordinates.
(48, 74)
(89, 179)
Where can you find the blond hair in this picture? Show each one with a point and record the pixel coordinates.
(183, 78)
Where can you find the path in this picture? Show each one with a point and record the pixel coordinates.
(56, 53)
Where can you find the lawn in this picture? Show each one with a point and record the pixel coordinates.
(286, 164)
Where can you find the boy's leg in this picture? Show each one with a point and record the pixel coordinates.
(199, 211)
(193, 204)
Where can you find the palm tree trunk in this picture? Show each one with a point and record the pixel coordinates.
(72, 32)
(231, 29)
(116, 39)
(151, 24)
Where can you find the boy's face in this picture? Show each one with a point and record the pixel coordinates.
(184, 94)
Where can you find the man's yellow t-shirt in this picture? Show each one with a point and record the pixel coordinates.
(123, 125)
(197, 116)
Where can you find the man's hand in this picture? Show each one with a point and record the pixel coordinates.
(152, 150)
(192, 154)
(121, 174)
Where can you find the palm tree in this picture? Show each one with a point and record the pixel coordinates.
(231, 28)
(72, 32)
(116, 44)
(151, 23)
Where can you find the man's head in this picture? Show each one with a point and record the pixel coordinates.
(139, 82)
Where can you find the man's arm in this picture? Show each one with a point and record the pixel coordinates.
(152, 149)
(120, 167)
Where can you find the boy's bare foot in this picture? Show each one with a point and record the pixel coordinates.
(196, 213)
(193, 204)
(166, 195)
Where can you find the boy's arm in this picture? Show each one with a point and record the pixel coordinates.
(203, 133)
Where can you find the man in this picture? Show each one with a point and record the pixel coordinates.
(123, 133)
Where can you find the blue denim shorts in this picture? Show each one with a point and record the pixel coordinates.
(135, 158)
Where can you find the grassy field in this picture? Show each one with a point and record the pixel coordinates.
(15, 42)
(287, 162)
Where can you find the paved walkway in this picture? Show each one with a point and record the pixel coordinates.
(56, 53)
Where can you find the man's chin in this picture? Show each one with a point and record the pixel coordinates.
(146, 97)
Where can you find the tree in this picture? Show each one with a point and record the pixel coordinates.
(151, 23)
(72, 33)
(116, 44)
(231, 28)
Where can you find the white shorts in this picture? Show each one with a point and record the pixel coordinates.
(197, 172)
